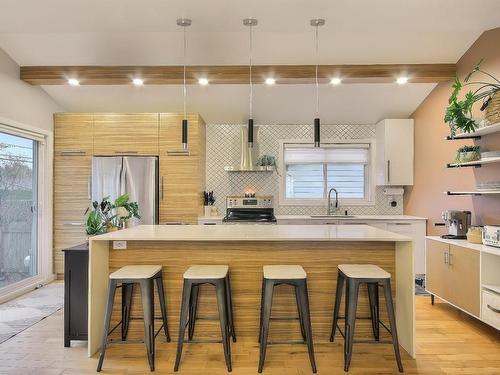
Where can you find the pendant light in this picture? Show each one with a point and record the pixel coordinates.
(184, 22)
(316, 23)
(250, 22)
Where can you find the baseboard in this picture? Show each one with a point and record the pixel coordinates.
(34, 284)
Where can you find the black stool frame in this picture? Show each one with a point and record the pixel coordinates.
(352, 289)
(302, 298)
(147, 297)
(189, 306)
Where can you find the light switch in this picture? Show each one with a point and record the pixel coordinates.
(119, 245)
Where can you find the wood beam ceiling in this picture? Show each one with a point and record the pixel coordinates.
(236, 74)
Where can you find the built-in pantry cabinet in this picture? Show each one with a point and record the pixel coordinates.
(394, 160)
(79, 136)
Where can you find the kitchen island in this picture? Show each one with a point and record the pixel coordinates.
(246, 248)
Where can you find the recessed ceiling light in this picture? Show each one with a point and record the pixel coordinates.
(138, 81)
(203, 81)
(270, 81)
(402, 80)
(336, 81)
(73, 82)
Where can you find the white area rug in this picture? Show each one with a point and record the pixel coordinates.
(24, 311)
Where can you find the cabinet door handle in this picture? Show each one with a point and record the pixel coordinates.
(450, 261)
(401, 223)
(72, 152)
(493, 309)
(445, 257)
(161, 187)
(388, 171)
(73, 224)
(126, 152)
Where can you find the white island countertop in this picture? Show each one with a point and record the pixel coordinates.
(242, 232)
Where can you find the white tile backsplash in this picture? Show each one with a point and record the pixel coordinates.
(223, 148)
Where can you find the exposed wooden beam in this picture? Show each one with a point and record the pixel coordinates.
(236, 74)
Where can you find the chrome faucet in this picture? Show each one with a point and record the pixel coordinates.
(329, 209)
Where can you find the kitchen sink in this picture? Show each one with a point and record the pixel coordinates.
(331, 216)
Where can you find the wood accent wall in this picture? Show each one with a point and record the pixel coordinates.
(79, 136)
(245, 259)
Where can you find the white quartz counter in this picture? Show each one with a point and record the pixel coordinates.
(244, 232)
(464, 243)
(354, 218)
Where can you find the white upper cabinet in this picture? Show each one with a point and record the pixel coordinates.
(395, 152)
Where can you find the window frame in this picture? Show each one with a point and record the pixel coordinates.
(370, 178)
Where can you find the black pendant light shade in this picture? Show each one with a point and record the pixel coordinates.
(317, 127)
(250, 133)
(184, 135)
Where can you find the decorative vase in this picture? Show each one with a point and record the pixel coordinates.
(492, 112)
(208, 210)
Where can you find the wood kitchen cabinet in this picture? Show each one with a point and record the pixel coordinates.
(394, 158)
(453, 274)
(73, 149)
(182, 176)
(126, 133)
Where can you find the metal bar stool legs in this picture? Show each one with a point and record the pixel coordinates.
(145, 276)
(353, 276)
(302, 299)
(189, 305)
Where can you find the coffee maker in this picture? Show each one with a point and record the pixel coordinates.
(457, 222)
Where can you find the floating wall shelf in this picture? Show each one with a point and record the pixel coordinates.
(476, 163)
(230, 168)
(477, 192)
(490, 129)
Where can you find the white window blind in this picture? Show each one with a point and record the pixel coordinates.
(311, 172)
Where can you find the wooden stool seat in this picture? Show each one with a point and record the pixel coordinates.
(284, 272)
(364, 271)
(206, 272)
(136, 272)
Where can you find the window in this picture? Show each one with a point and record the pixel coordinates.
(310, 172)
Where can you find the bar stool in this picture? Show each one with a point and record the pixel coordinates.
(354, 275)
(127, 276)
(295, 276)
(218, 276)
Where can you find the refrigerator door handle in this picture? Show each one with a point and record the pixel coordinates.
(161, 187)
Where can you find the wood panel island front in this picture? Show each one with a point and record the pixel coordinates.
(246, 248)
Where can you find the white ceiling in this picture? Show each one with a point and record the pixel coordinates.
(138, 32)
(286, 104)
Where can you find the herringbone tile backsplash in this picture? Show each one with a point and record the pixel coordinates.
(223, 148)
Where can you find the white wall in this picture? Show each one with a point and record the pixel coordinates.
(21, 102)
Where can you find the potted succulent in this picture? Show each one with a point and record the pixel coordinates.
(459, 112)
(266, 162)
(467, 154)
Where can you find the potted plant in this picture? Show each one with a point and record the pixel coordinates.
(467, 154)
(459, 112)
(266, 162)
(106, 216)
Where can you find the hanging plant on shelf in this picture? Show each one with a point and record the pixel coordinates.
(459, 112)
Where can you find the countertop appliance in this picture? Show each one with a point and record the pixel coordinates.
(249, 210)
(136, 176)
(457, 222)
(491, 235)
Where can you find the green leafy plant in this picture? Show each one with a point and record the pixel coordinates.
(469, 149)
(468, 154)
(94, 224)
(459, 112)
(106, 215)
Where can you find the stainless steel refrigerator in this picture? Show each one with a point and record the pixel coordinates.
(136, 176)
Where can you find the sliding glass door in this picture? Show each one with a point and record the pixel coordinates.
(18, 209)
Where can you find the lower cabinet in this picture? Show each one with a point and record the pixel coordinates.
(453, 274)
(76, 260)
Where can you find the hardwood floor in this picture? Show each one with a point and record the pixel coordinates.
(448, 342)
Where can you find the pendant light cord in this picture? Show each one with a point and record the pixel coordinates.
(316, 73)
(250, 111)
(184, 72)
